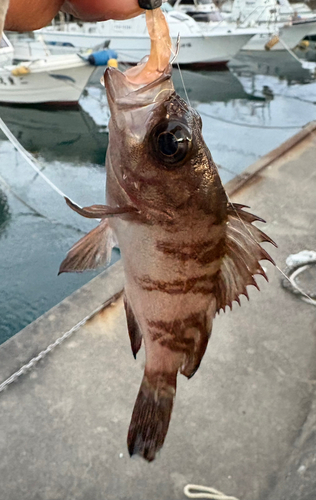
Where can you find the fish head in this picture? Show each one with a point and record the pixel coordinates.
(157, 151)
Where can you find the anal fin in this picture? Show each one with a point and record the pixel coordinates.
(133, 328)
(194, 357)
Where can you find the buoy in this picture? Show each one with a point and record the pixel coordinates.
(20, 71)
(274, 40)
(102, 57)
(304, 44)
(112, 63)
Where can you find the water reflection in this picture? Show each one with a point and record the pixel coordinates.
(210, 86)
(70, 135)
(278, 63)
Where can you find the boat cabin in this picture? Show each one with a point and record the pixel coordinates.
(200, 10)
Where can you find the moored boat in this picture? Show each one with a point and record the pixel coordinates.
(285, 32)
(53, 80)
(129, 38)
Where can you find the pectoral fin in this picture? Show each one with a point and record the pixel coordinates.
(99, 211)
(91, 251)
(241, 260)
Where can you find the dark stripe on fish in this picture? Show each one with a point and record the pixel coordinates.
(203, 252)
(176, 335)
(199, 284)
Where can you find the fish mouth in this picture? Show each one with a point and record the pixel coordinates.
(126, 94)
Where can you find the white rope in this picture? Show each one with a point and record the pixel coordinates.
(190, 491)
(66, 335)
(282, 42)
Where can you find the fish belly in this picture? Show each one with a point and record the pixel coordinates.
(170, 293)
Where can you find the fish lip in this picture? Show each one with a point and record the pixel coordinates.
(124, 93)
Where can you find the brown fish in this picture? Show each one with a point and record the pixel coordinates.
(187, 251)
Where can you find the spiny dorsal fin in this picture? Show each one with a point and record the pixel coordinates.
(91, 251)
(242, 255)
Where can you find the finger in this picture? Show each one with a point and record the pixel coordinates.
(31, 15)
(101, 10)
(34, 14)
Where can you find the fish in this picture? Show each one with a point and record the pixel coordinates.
(187, 251)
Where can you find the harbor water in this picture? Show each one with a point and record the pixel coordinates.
(248, 110)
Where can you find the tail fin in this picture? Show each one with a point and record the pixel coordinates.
(151, 414)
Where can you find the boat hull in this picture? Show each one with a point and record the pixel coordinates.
(291, 35)
(49, 87)
(203, 49)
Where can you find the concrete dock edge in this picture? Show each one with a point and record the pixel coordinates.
(249, 410)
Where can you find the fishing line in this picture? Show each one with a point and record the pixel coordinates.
(30, 159)
(272, 127)
(182, 80)
(175, 55)
(6, 185)
(36, 212)
(292, 282)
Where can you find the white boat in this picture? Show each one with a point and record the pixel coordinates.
(253, 15)
(200, 10)
(266, 13)
(297, 11)
(53, 80)
(130, 39)
(6, 51)
(28, 47)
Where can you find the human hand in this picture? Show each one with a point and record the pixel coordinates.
(34, 14)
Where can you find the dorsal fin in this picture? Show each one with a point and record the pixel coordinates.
(242, 255)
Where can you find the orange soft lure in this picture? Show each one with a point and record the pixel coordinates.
(160, 50)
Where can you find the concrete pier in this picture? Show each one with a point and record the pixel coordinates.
(244, 424)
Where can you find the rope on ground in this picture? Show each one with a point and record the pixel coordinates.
(66, 335)
(190, 491)
(297, 264)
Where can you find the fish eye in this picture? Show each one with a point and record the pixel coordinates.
(171, 142)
